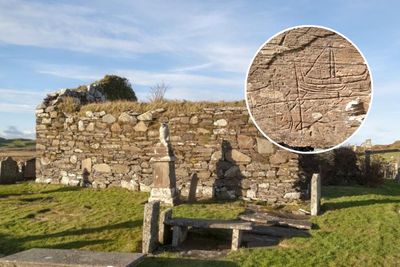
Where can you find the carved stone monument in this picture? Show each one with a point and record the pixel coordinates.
(8, 171)
(164, 179)
(308, 88)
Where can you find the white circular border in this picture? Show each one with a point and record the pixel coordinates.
(316, 151)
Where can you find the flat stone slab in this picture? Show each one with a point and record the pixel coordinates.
(67, 258)
(266, 218)
(215, 224)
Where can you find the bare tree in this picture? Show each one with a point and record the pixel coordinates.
(157, 92)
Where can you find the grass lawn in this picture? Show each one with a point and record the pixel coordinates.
(359, 226)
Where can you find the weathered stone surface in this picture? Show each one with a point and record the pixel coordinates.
(81, 126)
(73, 159)
(315, 194)
(292, 83)
(8, 171)
(150, 226)
(202, 131)
(245, 142)
(108, 118)
(220, 123)
(194, 120)
(70, 257)
(87, 165)
(115, 128)
(30, 169)
(237, 156)
(264, 146)
(292, 195)
(120, 168)
(131, 185)
(140, 127)
(90, 127)
(147, 116)
(102, 167)
(126, 118)
(217, 155)
(278, 158)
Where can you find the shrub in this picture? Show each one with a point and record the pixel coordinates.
(117, 88)
(69, 104)
(343, 166)
(157, 92)
(375, 176)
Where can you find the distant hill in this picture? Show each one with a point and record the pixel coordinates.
(16, 143)
(394, 145)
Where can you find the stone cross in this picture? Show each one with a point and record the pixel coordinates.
(315, 194)
(164, 179)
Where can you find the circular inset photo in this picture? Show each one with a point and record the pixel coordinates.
(308, 89)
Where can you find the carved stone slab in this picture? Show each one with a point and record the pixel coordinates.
(308, 88)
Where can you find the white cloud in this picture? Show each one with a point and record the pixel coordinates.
(14, 132)
(20, 101)
(189, 86)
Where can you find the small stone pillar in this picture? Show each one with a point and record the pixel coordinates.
(150, 226)
(164, 179)
(315, 194)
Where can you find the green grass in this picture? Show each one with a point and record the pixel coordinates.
(16, 143)
(359, 226)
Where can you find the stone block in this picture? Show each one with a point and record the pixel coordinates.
(126, 118)
(115, 128)
(235, 155)
(279, 158)
(108, 118)
(147, 116)
(221, 123)
(245, 142)
(102, 167)
(87, 165)
(264, 146)
(120, 168)
(140, 127)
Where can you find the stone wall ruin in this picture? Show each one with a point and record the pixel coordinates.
(218, 144)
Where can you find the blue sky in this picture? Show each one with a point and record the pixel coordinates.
(201, 49)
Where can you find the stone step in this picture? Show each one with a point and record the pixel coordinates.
(70, 258)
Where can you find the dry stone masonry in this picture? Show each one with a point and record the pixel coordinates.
(218, 145)
(308, 88)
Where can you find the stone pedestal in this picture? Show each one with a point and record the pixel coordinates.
(164, 179)
(315, 194)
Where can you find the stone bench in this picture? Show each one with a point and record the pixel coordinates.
(180, 227)
(70, 258)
